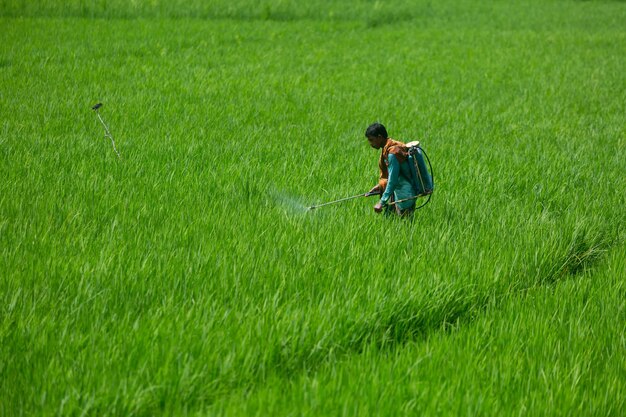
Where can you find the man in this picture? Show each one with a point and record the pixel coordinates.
(395, 181)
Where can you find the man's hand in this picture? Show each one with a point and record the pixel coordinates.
(378, 208)
(374, 191)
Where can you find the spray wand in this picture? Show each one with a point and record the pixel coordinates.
(368, 194)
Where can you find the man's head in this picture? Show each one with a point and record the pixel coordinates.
(376, 135)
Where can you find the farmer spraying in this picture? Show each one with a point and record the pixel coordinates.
(403, 173)
(404, 176)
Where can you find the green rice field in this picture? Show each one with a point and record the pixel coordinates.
(187, 278)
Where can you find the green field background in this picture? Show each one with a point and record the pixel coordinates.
(188, 278)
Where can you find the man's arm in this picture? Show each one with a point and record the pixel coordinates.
(382, 180)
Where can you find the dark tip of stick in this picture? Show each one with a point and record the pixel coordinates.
(97, 106)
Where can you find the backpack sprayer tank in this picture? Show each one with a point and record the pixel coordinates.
(422, 178)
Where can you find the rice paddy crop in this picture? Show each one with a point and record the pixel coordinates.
(187, 276)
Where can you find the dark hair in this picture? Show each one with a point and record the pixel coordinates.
(375, 130)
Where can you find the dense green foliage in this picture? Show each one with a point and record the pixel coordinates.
(188, 279)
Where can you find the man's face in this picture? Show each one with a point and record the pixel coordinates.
(376, 142)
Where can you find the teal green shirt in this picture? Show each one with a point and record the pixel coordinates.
(399, 183)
